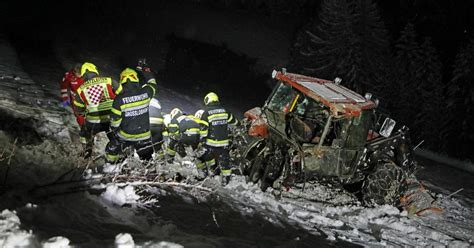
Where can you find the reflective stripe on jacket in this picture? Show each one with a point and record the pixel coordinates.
(183, 125)
(130, 111)
(217, 119)
(95, 98)
(156, 117)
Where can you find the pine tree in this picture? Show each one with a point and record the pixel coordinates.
(348, 41)
(430, 87)
(372, 45)
(322, 43)
(459, 124)
(408, 60)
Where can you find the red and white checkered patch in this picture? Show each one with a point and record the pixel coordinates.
(95, 92)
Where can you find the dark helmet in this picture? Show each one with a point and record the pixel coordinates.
(77, 69)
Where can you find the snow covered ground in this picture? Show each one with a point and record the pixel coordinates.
(333, 214)
(378, 226)
(11, 235)
(39, 154)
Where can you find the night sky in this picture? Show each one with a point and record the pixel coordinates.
(449, 23)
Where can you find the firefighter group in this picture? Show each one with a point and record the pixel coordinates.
(129, 112)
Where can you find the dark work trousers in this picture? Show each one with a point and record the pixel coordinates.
(89, 131)
(115, 149)
(185, 140)
(157, 138)
(220, 155)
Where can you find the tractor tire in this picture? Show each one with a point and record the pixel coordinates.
(384, 185)
(265, 182)
(252, 155)
(256, 171)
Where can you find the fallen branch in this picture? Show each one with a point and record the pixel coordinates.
(12, 153)
(439, 200)
(3, 152)
(184, 185)
(455, 192)
(214, 218)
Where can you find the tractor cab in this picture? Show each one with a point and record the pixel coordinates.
(325, 120)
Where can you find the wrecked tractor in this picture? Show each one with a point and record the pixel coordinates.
(315, 129)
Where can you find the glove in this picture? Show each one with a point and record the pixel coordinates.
(200, 151)
(114, 134)
(143, 68)
(65, 103)
(81, 120)
(181, 150)
(142, 64)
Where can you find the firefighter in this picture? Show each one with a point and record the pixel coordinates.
(69, 85)
(157, 127)
(217, 121)
(202, 124)
(203, 129)
(183, 131)
(130, 116)
(93, 102)
(166, 123)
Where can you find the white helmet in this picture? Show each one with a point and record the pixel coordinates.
(175, 112)
(166, 119)
(199, 113)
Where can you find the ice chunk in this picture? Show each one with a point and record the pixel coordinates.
(111, 168)
(119, 196)
(10, 233)
(56, 242)
(124, 240)
(164, 244)
(31, 205)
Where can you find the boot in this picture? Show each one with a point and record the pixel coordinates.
(169, 159)
(225, 180)
(202, 174)
(87, 153)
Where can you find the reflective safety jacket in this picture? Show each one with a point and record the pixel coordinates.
(156, 117)
(69, 86)
(130, 110)
(217, 120)
(203, 127)
(182, 127)
(95, 97)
